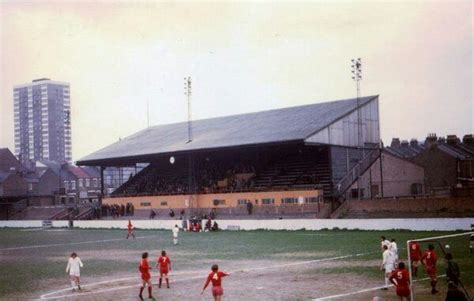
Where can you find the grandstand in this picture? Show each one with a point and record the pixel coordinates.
(293, 160)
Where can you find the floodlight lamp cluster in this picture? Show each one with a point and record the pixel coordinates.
(187, 86)
(356, 69)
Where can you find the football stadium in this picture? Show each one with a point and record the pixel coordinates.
(292, 203)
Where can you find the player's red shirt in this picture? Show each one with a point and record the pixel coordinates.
(130, 227)
(164, 261)
(215, 278)
(430, 258)
(144, 268)
(415, 251)
(402, 277)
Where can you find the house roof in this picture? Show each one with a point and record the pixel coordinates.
(4, 175)
(78, 172)
(457, 150)
(9, 161)
(273, 126)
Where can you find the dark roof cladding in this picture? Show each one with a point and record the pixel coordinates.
(273, 126)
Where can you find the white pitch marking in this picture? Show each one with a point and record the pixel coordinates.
(72, 243)
(32, 229)
(110, 281)
(363, 291)
(46, 296)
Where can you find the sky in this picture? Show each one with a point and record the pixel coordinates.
(242, 57)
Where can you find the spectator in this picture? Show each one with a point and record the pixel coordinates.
(454, 293)
(171, 213)
(215, 226)
(452, 269)
(208, 225)
(249, 207)
(152, 214)
(212, 214)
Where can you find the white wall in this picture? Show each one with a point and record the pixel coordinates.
(420, 224)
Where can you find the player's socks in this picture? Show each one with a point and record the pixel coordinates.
(73, 285)
(167, 283)
(159, 283)
(79, 286)
(141, 291)
(415, 271)
(149, 292)
(433, 287)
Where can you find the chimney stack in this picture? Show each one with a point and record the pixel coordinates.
(405, 143)
(452, 140)
(431, 140)
(468, 140)
(395, 142)
(413, 142)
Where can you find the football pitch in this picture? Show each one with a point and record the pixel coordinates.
(264, 265)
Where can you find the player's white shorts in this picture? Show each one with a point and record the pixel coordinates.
(74, 274)
(388, 268)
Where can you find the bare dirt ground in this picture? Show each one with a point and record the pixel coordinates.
(249, 280)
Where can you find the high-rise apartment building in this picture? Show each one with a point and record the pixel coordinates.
(42, 111)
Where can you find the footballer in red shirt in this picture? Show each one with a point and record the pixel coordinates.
(164, 263)
(130, 230)
(144, 269)
(401, 279)
(415, 256)
(429, 259)
(216, 278)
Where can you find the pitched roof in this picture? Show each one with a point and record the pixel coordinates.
(273, 126)
(8, 160)
(458, 150)
(78, 172)
(4, 175)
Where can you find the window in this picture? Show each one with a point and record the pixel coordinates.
(66, 184)
(30, 186)
(164, 203)
(218, 202)
(311, 199)
(80, 182)
(268, 201)
(88, 182)
(145, 204)
(95, 182)
(355, 193)
(289, 200)
(243, 202)
(374, 190)
(73, 185)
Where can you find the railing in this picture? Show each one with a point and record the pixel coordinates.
(85, 214)
(60, 215)
(352, 175)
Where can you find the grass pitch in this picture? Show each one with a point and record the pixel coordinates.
(264, 265)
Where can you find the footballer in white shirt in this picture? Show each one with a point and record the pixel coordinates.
(73, 267)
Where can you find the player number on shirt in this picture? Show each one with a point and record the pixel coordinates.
(399, 275)
(215, 277)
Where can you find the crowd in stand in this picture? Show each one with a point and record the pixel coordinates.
(116, 211)
(211, 178)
